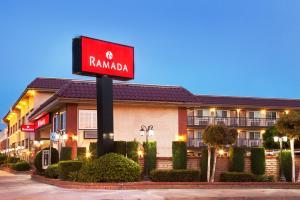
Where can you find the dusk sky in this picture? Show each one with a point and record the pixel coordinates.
(237, 48)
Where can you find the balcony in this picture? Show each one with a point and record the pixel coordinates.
(241, 142)
(230, 121)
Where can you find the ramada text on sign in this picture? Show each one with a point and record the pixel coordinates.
(96, 57)
(27, 128)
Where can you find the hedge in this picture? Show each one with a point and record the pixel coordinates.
(244, 177)
(150, 157)
(258, 160)
(287, 164)
(81, 152)
(52, 171)
(12, 159)
(67, 166)
(38, 159)
(179, 154)
(110, 167)
(175, 175)
(236, 159)
(3, 158)
(66, 153)
(132, 150)
(20, 166)
(203, 164)
(120, 147)
(93, 149)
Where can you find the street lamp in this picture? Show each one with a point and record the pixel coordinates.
(148, 132)
(280, 140)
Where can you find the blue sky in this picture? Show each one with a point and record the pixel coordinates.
(243, 48)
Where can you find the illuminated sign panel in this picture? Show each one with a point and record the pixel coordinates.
(94, 57)
(42, 121)
(27, 128)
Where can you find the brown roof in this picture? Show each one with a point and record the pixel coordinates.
(246, 101)
(47, 83)
(124, 91)
(78, 89)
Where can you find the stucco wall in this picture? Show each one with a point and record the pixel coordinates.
(128, 119)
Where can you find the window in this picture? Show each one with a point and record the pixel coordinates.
(254, 135)
(55, 123)
(271, 115)
(254, 114)
(63, 121)
(23, 120)
(87, 119)
(221, 113)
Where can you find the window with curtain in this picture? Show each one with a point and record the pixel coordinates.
(87, 119)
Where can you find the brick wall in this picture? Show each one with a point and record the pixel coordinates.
(272, 166)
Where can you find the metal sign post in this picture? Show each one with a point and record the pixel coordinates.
(104, 115)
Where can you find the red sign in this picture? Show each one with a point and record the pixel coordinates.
(42, 121)
(27, 128)
(96, 57)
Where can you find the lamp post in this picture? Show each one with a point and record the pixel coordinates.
(148, 132)
(280, 140)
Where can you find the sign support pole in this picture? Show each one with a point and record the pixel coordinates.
(105, 129)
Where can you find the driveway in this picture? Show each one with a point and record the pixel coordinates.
(21, 187)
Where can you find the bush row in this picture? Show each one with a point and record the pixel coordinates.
(244, 177)
(175, 175)
(20, 166)
(121, 147)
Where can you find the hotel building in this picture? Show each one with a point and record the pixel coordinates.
(68, 107)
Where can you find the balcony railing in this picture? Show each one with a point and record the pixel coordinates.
(241, 142)
(230, 121)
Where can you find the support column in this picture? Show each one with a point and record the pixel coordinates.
(182, 122)
(71, 127)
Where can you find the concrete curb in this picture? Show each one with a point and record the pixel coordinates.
(165, 185)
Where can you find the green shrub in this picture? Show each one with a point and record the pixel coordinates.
(52, 171)
(93, 149)
(287, 164)
(67, 166)
(38, 159)
(150, 157)
(20, 166)
(3, 158)
(236, 158)
(203, 164)
(66, 153)
(120, 147)
(258, 160)
(244, 177)
(81, 152)
(12, 159)
(175, 175)
(111, 167)
(132, 150)
(179, 154)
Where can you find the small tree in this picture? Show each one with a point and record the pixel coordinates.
(217, 136)
(289, 124)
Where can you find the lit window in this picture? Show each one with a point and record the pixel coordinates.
(87, 119)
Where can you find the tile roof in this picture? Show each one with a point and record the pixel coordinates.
(79, 89)
(125, 91)
(47, 83)
(247, 101)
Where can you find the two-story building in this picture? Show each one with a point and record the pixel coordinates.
(175, 113)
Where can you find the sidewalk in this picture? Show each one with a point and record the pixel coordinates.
(17, 186)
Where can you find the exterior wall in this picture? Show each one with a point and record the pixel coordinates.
(128, 119)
